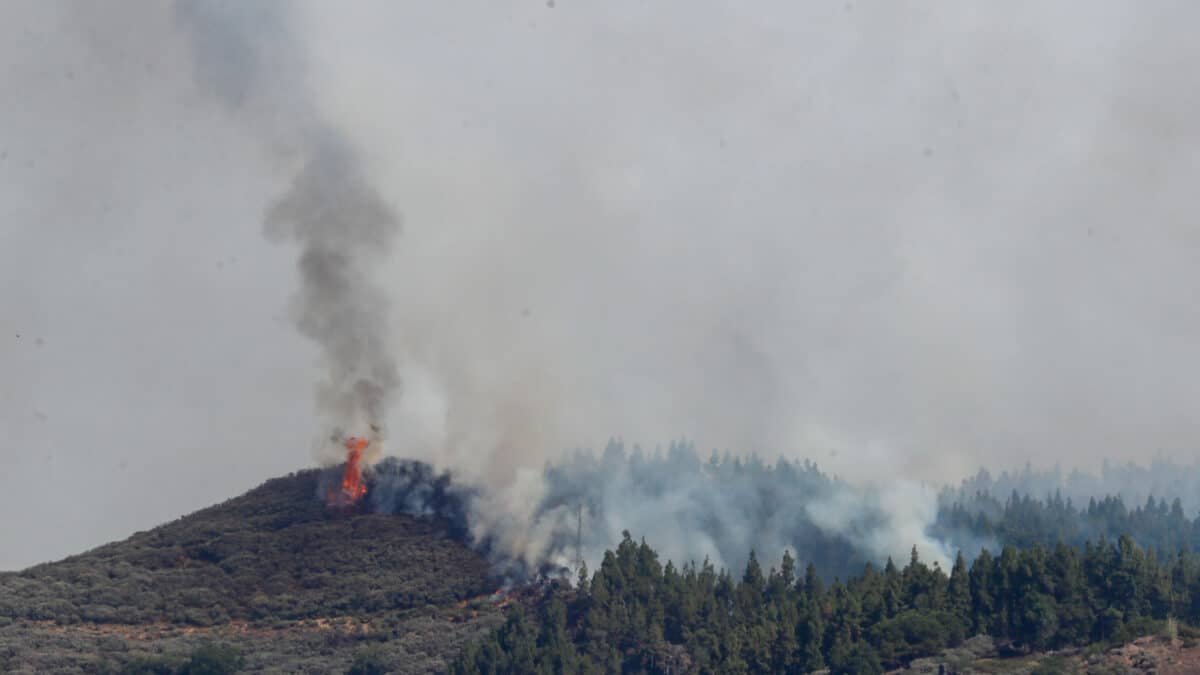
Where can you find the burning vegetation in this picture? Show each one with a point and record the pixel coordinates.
(352, 487)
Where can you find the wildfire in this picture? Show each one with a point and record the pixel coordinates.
(352, 487)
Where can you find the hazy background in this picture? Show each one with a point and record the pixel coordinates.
(900, 239)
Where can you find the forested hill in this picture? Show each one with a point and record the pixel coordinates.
(288, 583)
(636, 614)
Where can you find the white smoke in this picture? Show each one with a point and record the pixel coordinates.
(550, 296)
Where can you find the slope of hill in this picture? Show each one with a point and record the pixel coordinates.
(292, 585)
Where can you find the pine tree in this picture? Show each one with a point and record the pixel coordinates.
(582, 582)
(750, 591)
(983, 603)
(959, 589)
(848, 657)
(813, 588)
(810, 634)
(787, 569)
(556, 653)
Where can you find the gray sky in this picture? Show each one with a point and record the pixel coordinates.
(899, 238)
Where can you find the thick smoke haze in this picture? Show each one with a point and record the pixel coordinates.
(902, 241)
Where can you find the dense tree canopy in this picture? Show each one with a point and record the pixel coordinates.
(635, 614)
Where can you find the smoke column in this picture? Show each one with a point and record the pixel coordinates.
(341, 225)
(873, 266)
(245, 54)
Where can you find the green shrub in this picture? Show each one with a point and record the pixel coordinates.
(368, 661)
(148, 665)
(1054, 665)
(211, 659)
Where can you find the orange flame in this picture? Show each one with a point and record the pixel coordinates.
(352, 487)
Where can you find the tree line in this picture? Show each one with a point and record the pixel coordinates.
(1024, 521)
(733, 503)
(1135, 483)
(635, 614)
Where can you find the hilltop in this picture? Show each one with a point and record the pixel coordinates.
(291, 584)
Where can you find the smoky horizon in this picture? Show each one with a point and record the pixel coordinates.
(903, 242)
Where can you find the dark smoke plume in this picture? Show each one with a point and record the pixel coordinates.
(245, 54)
(341, 224)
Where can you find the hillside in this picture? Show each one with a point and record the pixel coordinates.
(292, 585)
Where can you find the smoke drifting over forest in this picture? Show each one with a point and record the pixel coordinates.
(901, 242)
(720, 509)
